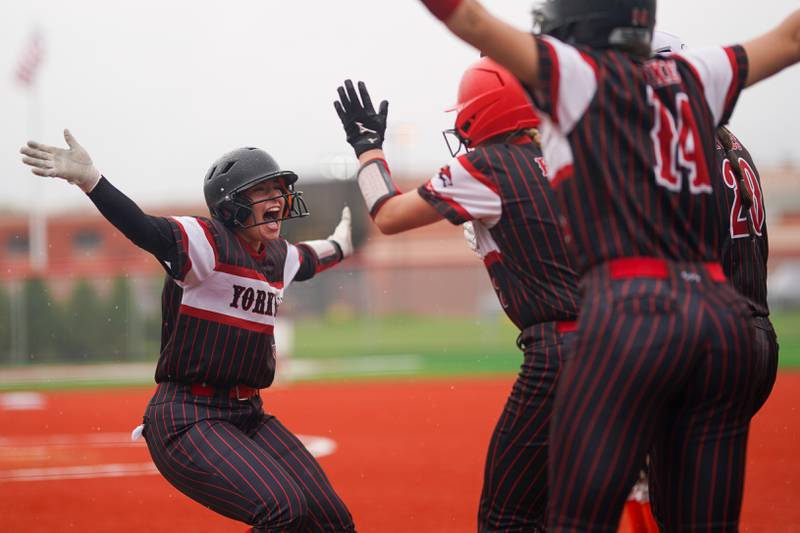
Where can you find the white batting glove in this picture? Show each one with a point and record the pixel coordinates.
(73, 165)
(343, 234)
(469, 236)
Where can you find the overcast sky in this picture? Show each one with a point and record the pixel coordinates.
(157, 90)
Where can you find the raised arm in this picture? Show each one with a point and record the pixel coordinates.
(75, 166)
(509, 46)
(775, 50)
(325, 253)
(391, 210)
(400, 212)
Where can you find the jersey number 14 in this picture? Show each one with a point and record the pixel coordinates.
(677, 146)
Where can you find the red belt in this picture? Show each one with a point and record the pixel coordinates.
(239, 392)
(567, 326)
(652, 267)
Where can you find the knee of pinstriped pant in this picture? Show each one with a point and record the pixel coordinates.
(290, 514)
(336, 519)
(344, 520)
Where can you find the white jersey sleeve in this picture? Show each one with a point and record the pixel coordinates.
(723, 73)
(292, 265)
(460, 192)
(199, 249)
(569, 83)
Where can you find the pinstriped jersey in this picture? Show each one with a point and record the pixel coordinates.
(502, 188)
(220, 303)
(744, 257)
(630, 146)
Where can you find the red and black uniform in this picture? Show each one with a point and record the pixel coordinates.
(744, 256)
(503, 190)
(744, 253)
(663, 358)
(205, 426)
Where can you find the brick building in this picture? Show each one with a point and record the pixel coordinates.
(429, 270)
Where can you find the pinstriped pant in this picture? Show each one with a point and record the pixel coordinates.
(231, 457)
(660, 365)
(514, 495)
(766, 354)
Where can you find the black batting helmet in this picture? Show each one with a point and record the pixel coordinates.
(623, 24)
(237, 171)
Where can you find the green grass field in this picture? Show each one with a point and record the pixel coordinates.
(444, 345)
(372, 348)
(456, 345)
(787, 326)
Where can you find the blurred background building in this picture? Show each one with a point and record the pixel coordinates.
(98, 296)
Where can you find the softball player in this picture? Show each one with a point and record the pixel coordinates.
(226, 275)
(663, 359)
(744, 243)
(499, 190)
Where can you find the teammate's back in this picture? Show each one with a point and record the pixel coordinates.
(663, 361)
(744, 241)
(502, 187)
(627, 147)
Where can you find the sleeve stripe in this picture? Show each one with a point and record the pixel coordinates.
(733, 89)
(463, 213)
(459, 192)
(555, 76)
(201, 253)
(478, 175)
(292, 265)
(210, 239)
(592, 63)
(569, 98)
(694, 70)
(492, 258)
(719, 73)
(185, 245)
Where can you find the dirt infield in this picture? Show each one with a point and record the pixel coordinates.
(408, 457)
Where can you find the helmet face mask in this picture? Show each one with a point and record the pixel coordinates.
(238, 208)
(455, 142)
(229, 178)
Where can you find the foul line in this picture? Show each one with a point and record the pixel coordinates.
(317, 446)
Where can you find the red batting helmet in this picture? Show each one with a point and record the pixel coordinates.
(490, 101)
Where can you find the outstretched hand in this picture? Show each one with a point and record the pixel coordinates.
(73, 164)
(343, 234)
(364, 127)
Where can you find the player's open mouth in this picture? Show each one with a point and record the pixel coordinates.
(272, 214)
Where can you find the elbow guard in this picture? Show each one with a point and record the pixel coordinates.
(376, 184)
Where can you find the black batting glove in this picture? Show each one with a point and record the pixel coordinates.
(364, 127)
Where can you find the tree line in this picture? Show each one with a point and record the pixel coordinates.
(84, 327)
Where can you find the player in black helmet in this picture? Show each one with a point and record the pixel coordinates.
(663, 359)
(744, 246)
(226, 275)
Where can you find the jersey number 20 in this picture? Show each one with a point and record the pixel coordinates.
(677, 146)
(739, 226)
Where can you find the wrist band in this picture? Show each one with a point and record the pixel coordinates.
(442, 9)
(328, 252)
(376, 184)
